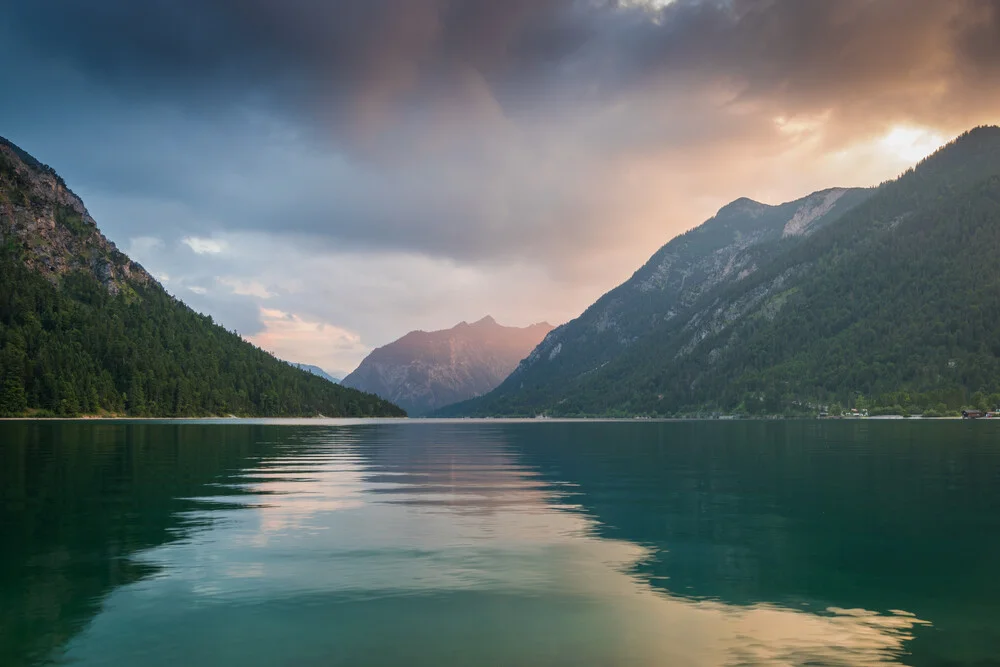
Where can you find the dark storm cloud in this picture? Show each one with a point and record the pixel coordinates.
(347, 47)
(820, 54)
(325, 51)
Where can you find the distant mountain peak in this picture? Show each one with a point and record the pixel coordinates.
(427, 370)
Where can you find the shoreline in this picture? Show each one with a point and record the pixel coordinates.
(429, 420)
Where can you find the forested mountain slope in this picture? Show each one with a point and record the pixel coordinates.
(895, 303)
(84, 330)
(727, 248)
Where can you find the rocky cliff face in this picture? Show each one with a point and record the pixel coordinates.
(40, 214)
(423, 371)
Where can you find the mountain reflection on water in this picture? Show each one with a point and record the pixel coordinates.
(498, 543)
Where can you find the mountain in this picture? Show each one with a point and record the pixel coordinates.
(316, 370)
(725, 249)
(83, 329)
(424, 370)
(890, 300)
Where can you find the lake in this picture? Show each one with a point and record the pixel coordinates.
(500, 543)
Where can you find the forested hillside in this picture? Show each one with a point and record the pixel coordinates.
(83, 330)
(895, 307)
(316, 370)
(732, 245)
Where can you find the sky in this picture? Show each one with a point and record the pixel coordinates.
(325, 176)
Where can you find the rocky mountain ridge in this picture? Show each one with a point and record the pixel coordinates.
(50, 222)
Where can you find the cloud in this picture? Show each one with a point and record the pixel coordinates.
(288, 336)
(246, 288)
(911, 144)
(478, 130)
(409, 151)
(144, 246)
(202, 246)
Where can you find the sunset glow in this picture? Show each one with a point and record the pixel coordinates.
(911, 144)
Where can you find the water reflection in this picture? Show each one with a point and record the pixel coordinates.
(432, 545)
(804, 515)
(77, 500)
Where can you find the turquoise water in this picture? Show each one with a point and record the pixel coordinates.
(496, 543)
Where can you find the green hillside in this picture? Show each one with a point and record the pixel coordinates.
(83, 330)
(895, 306)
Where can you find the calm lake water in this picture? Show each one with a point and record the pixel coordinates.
(496, 543)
